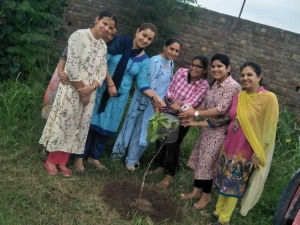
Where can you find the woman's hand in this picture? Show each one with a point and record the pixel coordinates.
(159, 101)
(85, 99)
(64, 79)
(112, 91)
(176, 107)
(190, 113)
(255, 162)
(86, 90)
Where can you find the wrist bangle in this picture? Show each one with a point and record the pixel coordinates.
(111, 85)
(94, 87)
(152, 97)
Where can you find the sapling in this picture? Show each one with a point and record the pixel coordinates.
(158, 129)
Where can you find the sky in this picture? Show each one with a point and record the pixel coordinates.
(283, 14)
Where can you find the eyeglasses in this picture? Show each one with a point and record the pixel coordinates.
(196, 66)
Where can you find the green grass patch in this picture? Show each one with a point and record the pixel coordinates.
(30, 196)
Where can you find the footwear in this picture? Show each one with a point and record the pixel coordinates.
(65, 171)
(196, 193)
(49, 170)
(201, 204)
(78, 164)
(158, 170)
(166, 182)
(96, 163)
(130, 168)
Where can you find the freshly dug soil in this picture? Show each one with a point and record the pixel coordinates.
(122, 196)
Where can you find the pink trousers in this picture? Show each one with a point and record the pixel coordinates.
(58, 158)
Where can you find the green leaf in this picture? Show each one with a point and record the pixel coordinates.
(7, 29)
(14, 69)
(3, 61)
(4, 69)
(165, 124)
(154, 138)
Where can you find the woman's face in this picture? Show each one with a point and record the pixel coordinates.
(219, 70)
(143, 38)
(172, 51)
(197, 69)
(104, 27)
(111, 36)
(249, 78)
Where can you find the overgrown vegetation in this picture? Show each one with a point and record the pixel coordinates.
(27, 35)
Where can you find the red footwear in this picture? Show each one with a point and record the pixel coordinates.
(49, 170)
(66, 172)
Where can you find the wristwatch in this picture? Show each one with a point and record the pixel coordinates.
(196, 114)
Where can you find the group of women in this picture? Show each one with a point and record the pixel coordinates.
(95, 82)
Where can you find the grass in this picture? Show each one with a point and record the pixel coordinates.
(30, 196)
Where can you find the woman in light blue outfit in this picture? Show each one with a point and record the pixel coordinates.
(134, 131)
(126, 61)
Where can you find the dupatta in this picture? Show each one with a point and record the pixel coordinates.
(258, 116)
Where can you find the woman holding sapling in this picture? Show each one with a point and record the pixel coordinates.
(134, 130)
(207, 149)
(189, 86)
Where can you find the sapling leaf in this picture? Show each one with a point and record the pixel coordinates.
(174, 125)
(165, 124)
(154, 138)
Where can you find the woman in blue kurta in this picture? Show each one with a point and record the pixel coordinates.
(134, 130)
(126, 61)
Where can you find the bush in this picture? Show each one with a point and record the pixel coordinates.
(27, 33)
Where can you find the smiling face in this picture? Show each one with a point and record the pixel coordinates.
(111, 36)
(197, 69)
(143, 38)
(103, 27)
(171, 51)
(219, 70)
(249, 79)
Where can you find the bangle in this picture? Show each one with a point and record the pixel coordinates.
(94, 87)
(152, 97)
(110, 85)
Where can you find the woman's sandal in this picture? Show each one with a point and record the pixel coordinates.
(130, 168)
(184, 196)
(96, 163)
(78, 168)
(166, 182)
(158, 170)
(49, 170)
(65, 171)
(200, 207)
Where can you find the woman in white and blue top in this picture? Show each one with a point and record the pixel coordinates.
(134, 131)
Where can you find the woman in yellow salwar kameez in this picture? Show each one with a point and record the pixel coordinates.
(248, 148)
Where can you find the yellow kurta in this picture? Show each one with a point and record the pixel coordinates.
(69, 120)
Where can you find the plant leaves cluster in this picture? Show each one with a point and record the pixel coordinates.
(28, 29)
(164, 14)
(159, 127)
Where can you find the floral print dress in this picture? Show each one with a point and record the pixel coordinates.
(69, 120)
(207, 149)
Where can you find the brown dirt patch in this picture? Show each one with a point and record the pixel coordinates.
(120, 195)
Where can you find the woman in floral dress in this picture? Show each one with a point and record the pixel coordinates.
(69, 119)
(248, 149)
(207, 149)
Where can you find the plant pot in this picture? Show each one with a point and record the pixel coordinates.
(171, 134)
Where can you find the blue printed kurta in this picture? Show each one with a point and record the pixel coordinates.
(107, 122)
(159, 75)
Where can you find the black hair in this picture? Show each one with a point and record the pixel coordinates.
(224, 59)
(204, 61)
(150, 26)
(172, 40)
(110, 15)
(256, 68)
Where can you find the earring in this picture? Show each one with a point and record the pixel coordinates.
(96, 22)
